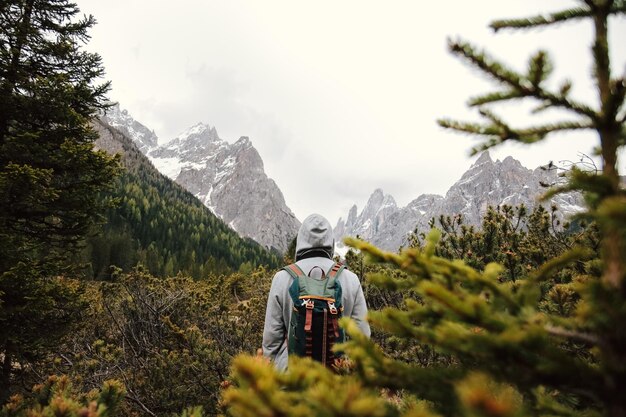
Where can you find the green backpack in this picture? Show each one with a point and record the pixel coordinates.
(317, 308)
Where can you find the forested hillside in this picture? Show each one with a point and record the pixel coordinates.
(159, 224)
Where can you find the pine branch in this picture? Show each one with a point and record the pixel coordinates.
(524, 86)
(470, 309)
(494, 97)
(137, 401)
(469, 127)
(573, 335)
(540, 132)
(377, 370)
(542, 107)
(427, 267)
(619, 7)
(541, 20)
(566, 87)
(499, 131)
(490, 66)
(539, 68)
(549, 268)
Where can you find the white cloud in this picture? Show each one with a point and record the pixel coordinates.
(339, 98)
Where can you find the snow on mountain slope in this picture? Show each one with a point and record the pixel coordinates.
(144, 138)
(228, 178)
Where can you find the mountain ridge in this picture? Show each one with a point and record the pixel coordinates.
(161, 225)
(485, 183)
(227, 178)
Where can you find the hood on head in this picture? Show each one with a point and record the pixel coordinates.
(315, 237)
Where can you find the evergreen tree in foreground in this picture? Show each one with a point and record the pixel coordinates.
(57, 397)
(50, 175)
(513, 354)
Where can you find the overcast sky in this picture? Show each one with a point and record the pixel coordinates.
(339, 97)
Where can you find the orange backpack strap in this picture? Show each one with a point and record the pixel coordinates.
(294, 270)
(336, 269)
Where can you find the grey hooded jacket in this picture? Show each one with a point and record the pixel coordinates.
(314, 237)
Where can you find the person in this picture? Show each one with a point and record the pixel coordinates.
(315, 247)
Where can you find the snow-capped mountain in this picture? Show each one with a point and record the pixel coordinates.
(486, 183)
(144, 138)
(227, 178)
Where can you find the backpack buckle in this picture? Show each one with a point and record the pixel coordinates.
(332, 308)
(308, 304)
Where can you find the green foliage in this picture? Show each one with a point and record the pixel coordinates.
(170, 341)
(193, 412)
(50, 175)
(511, 236)
(45, 304)
(290, 255)
(305, 391)
(486, 324)
(379, 297)
(57, 397)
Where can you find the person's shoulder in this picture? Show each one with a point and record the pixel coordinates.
(281, 281)
(282, 275)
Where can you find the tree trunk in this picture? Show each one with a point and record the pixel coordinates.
(609, 131)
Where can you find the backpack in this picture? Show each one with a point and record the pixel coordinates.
(317, 308)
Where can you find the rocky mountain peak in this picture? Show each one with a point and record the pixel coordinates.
(366, 225)
(378, 201)
(375, 201)
(511, 163)
(483, 167)
(229, 179)
(144, 138)
(199, 131)
(484, 158)
(196, 138)
(351, 216)
(243, 141)
(486, 183)
(192, 145)
(196, 129)
(247, 154)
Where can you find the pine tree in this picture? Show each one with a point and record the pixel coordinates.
(50, 175)
(57, 397)
(529, 346)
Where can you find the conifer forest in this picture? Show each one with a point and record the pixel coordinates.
(121, 294)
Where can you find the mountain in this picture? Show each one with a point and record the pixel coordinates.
(486, 183)
(161, 225)
(227, 178)
(144, 138)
